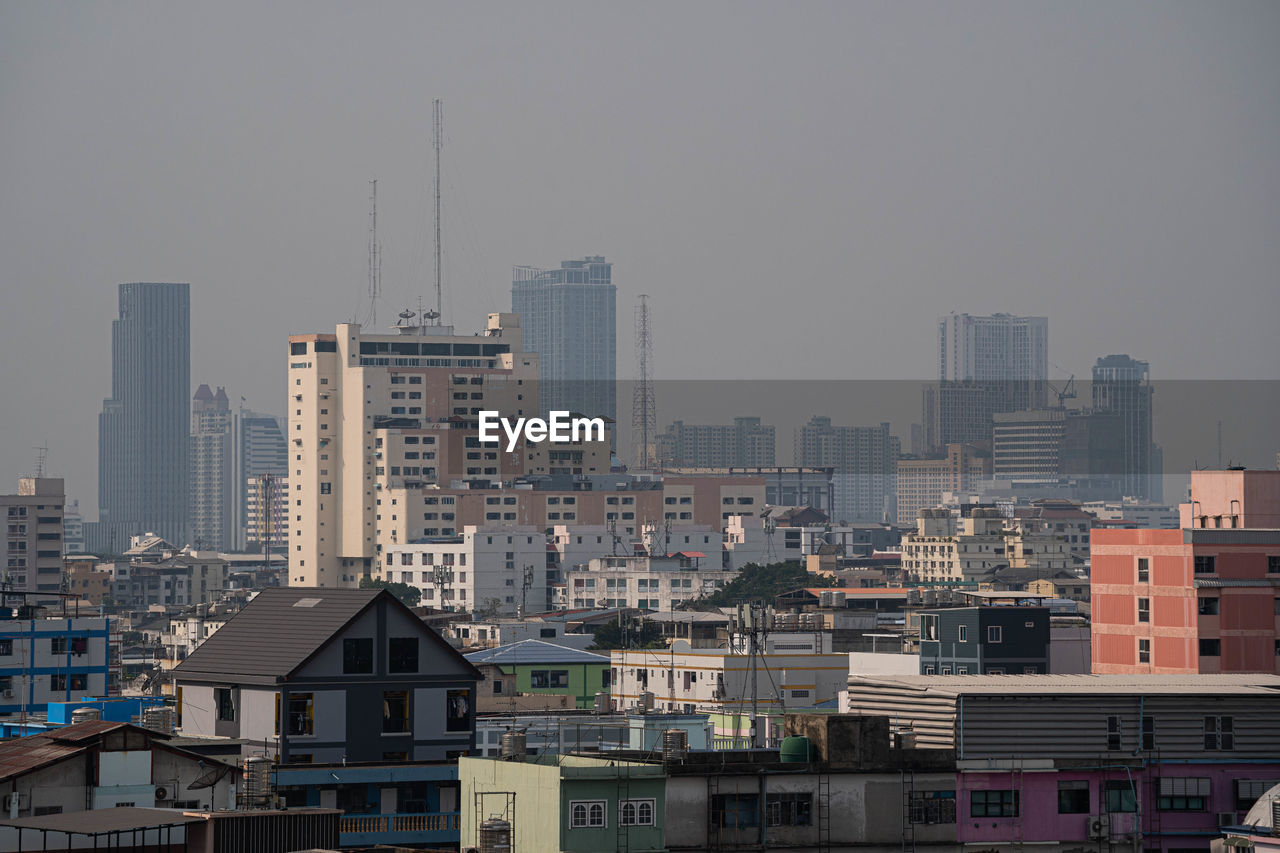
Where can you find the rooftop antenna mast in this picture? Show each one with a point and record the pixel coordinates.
(42, 453)
(375, 255)
(644, 417)
(438, 142)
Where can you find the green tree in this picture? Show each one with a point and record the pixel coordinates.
(410, 595)
(642, 635)
(762, 583)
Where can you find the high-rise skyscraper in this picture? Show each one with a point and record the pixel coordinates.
(1123, 385)
(144, 428)
(261, 451)
(985, 365)
(212, 501)
(568, 318)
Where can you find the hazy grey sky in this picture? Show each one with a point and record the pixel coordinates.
(802, 187)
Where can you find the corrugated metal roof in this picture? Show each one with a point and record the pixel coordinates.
(276, 632)
(1215, 583)
(956, 685)
(534, 652)
(102, 821)
(22, 755)
(863, 592)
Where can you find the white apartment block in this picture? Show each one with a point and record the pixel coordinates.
(745, 541)
(946, 548)
(647, 583)
(483, 571)
(492, 633)
(687, 680)
(350, 390)
(1141, 513)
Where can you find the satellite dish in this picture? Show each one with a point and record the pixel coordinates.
(208, 779)
(431, 315)
(406, 314)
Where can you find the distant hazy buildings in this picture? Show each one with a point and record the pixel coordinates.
(73, 529)
(922, 481)
(212, 501)
(1123, 385)
(1007, 353)
(864, 460)
(143, 431)
(33, 542)
(986, 365)
(568, 317)
(744, 442)
(261, 452)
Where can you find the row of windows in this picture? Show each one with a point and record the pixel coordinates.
(742, 811)
(357, 655)
(1218, 731)
(1173, 794)
(299, 711)
(592, 814)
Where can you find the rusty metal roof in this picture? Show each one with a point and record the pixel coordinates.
(22, 755)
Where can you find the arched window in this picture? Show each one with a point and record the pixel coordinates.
(579, 815)
(628, 814)
(644, 813)
(597, 814)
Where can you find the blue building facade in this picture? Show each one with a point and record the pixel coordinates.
(51, 660)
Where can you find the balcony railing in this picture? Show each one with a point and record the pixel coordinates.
(392, 825)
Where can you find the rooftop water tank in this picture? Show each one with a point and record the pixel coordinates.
(797, 750)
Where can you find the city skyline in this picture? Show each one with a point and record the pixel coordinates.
(1069, 163)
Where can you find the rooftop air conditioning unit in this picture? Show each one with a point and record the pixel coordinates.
(1099, 826)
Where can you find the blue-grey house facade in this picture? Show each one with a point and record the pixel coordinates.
(984, 640)
(318, 676)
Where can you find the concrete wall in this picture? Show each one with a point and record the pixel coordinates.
(198, 710)
(537, 790)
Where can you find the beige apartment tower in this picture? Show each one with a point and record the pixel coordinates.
(353, 395)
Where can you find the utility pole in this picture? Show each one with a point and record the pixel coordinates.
(440, 577)
(644, 416)
(525, 584)
(375, 255)
(754, 620)
(438, 139)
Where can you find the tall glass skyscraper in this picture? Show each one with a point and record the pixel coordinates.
(143, 431)
(568, 317)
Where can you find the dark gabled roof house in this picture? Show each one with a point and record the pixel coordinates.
(327, 675)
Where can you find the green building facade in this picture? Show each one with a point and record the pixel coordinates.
(568, 803)
(545, 668)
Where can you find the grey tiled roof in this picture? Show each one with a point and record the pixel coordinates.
(276, 632)
(534, 652)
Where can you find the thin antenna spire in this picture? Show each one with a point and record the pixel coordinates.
(438, 138)
(42, 455)
(375, 256)
(644, 418)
